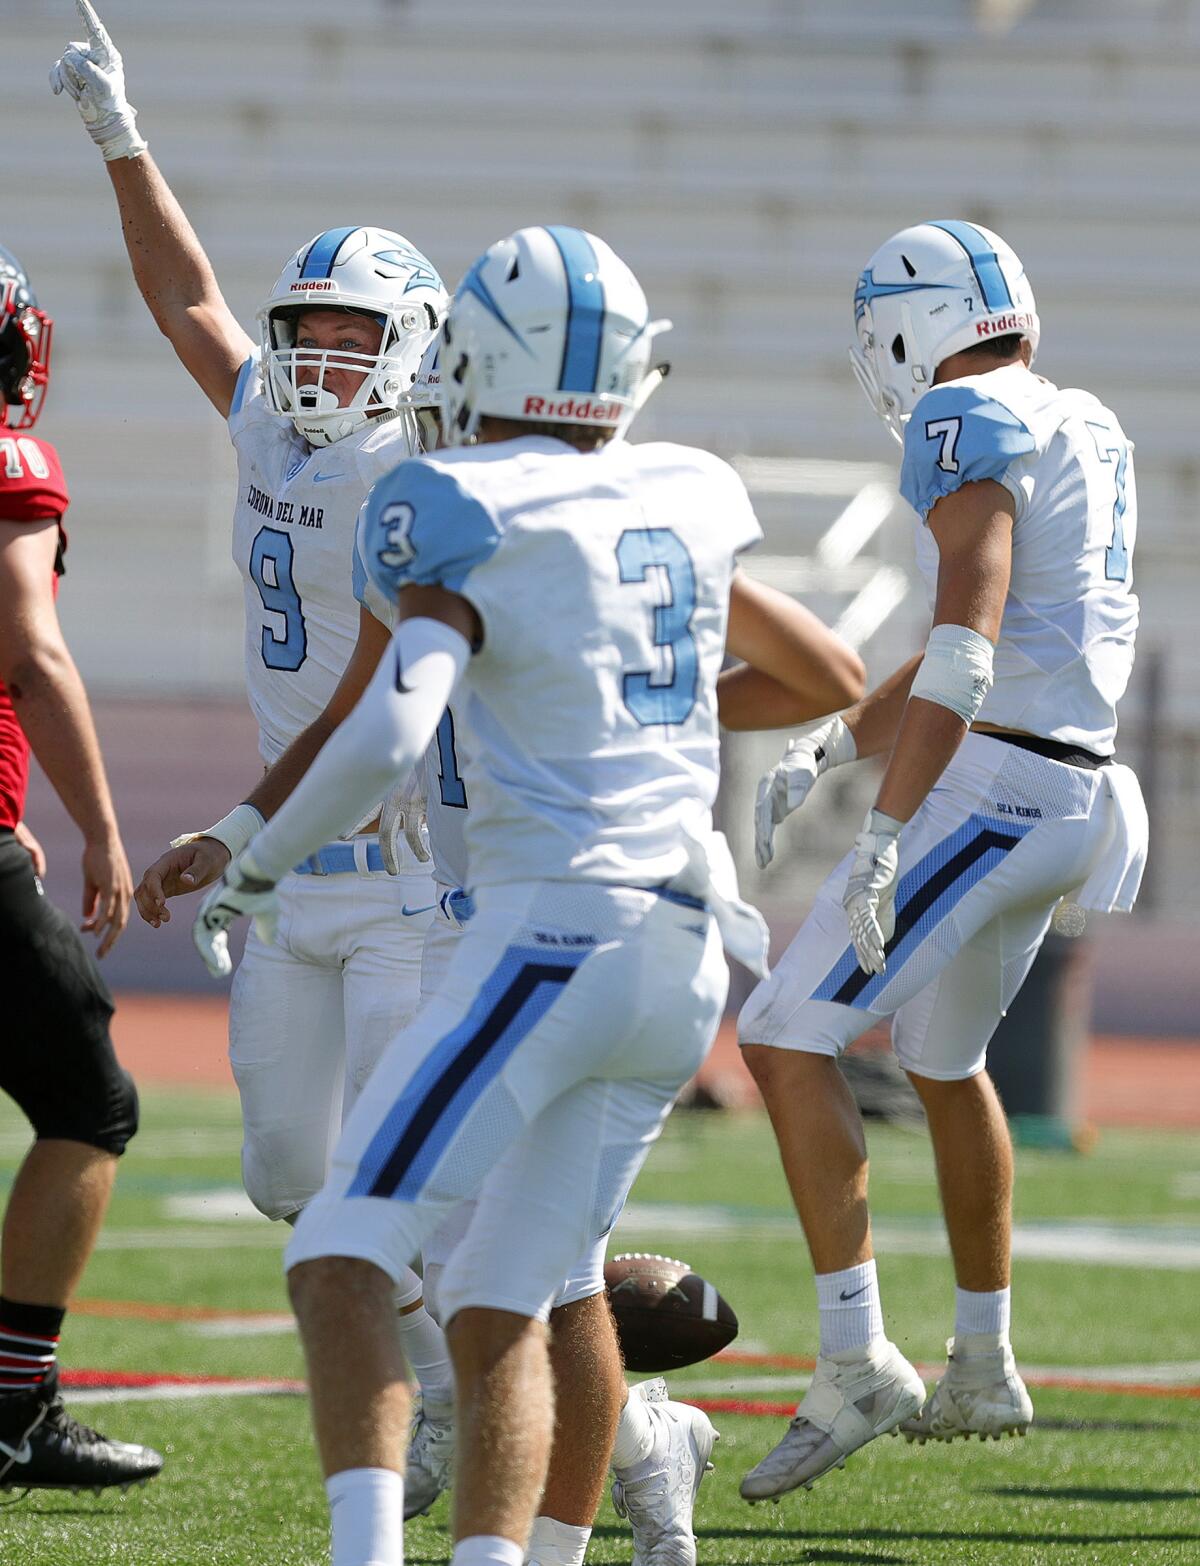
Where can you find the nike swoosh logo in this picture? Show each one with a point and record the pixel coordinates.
(324, 478)
(23, 1455)
(408, 912)
(855, 1293)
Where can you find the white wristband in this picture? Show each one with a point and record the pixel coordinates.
(956, 671)
(234, 830)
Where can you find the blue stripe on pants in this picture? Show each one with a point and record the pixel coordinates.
(923, 899)
(511, 1002)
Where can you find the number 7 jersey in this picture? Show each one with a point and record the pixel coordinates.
(1065, 650)
(602, 581)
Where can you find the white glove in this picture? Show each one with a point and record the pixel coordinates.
(786, 786)
(870, 895)
(241, 890)
(403, 813)
(93, 75)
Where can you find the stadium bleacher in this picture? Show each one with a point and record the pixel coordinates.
(745, 159)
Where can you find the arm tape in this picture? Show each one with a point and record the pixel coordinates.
(956, 671)
(234, 830)
(381, 740)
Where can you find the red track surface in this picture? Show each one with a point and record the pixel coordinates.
(180, 1040)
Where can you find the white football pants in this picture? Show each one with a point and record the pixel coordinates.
(537, 1079)
(1003, 835)
(310, 1016)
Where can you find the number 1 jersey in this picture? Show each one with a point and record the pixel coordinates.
(589, 714)
(293, 542)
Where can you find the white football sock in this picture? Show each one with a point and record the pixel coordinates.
(486, 1549)
(851, 1315)
(635, 1434)
(424, 1345)
(979, 1313)
(366, 1515)
(554, 1543)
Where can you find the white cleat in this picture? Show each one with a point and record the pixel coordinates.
(658, 1494)
(855, 1395)
(980, 1394)
(430, 1459)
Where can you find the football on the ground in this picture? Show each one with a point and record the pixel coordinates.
(667, 1316)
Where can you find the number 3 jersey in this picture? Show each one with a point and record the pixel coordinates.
(293, 542)
(588, 715)
(1065, 650)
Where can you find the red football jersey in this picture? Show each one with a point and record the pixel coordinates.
(32, 488)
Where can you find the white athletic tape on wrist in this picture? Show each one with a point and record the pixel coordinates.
(234, 830)
(956, 671)
(838, 744)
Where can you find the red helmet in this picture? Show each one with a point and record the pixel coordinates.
(25, 333)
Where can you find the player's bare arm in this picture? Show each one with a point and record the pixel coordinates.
(203, 860)
(170, 267)
(795, 668)
(51, 703)
(973, 531)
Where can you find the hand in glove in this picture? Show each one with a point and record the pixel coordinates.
(403, 813)
(92, 74)
(240, 891)
(869, 898)
(816, 748)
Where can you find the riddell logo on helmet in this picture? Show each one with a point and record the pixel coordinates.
(314, 286)
(569, 408)
(1002, 325)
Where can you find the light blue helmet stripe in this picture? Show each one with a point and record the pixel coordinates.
(585, 310)
(473, 283)
(323, 251)
(984, 263)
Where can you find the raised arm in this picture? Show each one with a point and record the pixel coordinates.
(795, 668)
(52, 707)
(170, 267)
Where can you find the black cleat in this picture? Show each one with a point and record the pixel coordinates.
(43, 1448)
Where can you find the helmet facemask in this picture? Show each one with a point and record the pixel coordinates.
(389, 374)
(25, 335)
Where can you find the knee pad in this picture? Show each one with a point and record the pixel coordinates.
(102, 1112)
(279, 1186)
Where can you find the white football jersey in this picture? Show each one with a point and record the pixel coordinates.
(588, 719)
(293, 542)
(1065, 651)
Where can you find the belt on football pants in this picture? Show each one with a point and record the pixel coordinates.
(342, 859)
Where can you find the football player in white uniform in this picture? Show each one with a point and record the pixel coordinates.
(794, 669)
(1000, 798)
(578, 588)
(320, 408)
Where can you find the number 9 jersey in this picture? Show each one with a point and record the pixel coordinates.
(293, 542)
(602, 582)
(1065, 651)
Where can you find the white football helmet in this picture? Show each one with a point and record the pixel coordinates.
(548, 327)
(371, 271)
(930, 292)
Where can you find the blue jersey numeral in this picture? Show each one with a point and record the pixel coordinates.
(1116, 556)
(271, 572)
(667, 694)
(453, 789)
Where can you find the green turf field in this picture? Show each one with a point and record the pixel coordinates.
(1109, 1478)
